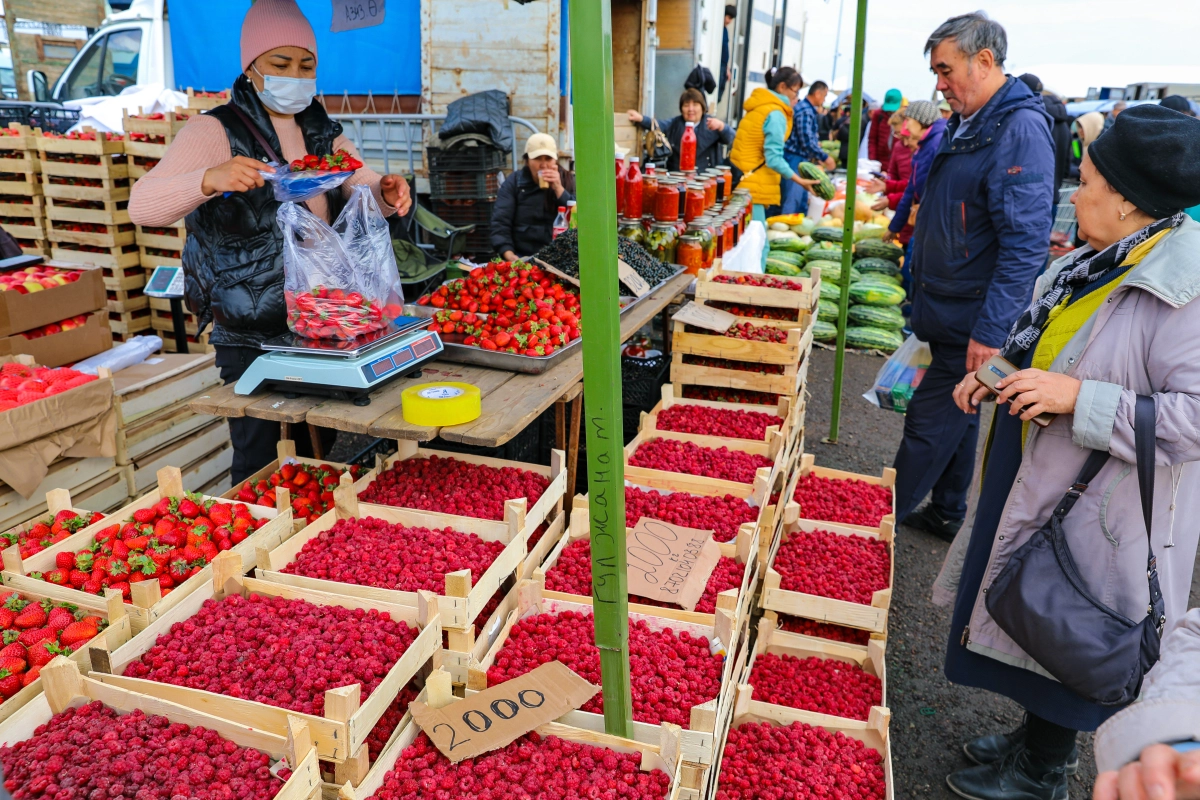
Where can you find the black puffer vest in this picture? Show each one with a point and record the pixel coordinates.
(233, 258)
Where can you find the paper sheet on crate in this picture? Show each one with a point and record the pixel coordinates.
(707, 317)
(670, 563)
(501, 714)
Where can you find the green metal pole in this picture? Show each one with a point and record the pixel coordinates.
(856, 93)
(592, 89)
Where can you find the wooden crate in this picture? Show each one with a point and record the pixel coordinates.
(203, 101)
(56, 500)
(113, 168)
(151, 257)
(123, 277)
(164, 322)
(461, 601)
(789, 382)
(147, 603)
(100, 146)
(157, 237)
(128, 323)
(146, 389)
(196, 344)
(773, 450)
(804, 298)
(120, 300)
(22, 206)
(20, 138)
(188, 450)
(114, 258)
(18, 161)
(886, 478)
(107, 494)
(784, 409)
(23, 184)
(341, 734)
(140, 165)
(871, 617)
(738, 602)
(715, 345)
(116, 634)
(111, 235)
(66, 686)
(207, 470)
(138, 440)
(66, 473)
(150, 137)
(103, 211)
(109, 189)
(34, 247)
(25, 227)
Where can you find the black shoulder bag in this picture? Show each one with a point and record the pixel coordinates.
(1040, 600)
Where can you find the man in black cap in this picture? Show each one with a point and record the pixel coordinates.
(1177, 102)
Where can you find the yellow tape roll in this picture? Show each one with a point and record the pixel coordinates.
(444, 403)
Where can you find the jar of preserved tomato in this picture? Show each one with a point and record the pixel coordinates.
(727, 179)
(662, 241)
(710, 190)
(689, 253)
(694, 206)
(728, 235)
(666, 200)
(631, 229)
(649, 187)
(708, 242)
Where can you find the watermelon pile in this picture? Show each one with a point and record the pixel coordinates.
(874, 320)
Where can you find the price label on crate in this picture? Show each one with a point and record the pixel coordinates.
(636, 283)
(350, 15)
(669, 563)
(707, 317)
(497, 716)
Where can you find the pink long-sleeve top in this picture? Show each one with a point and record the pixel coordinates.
(171, 191)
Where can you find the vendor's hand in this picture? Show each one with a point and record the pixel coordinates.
(510, 256)
(876, 185)
(978, 354)
(890, 235)
(553, 180)
(807, 183)
(1162, 773)
(394, 191)
(1035, 391)
(238, 174)
(635, 116)
(830, 164)
(715, 124)
(969, 393)
(880, 204)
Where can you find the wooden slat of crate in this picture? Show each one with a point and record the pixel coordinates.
(24, 140)
(99, 146)
(147, 391)
(114, 236)
(887, 479)
(219, 485)
(127, 300)
(195, 344)
(34, 247)
(103, 211)
(33, 207)
(139, 170)
(167, 128)
(187, 450)
(145, 149)
(26, 184)
(19, 160)
(198, 103)
(151, 260)
(708, 289)
(110, 189)
(110, 168)
(158, 430)
(116, 258)
(728, 347)
(206, 469)
(108, 493)
(790, 383)
(146, 237)
(28, 228)
(163, 322)
(67, 473)
(129, 322)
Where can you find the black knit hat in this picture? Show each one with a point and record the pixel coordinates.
(1151, 155)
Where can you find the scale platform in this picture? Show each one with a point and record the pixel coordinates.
(343, 370)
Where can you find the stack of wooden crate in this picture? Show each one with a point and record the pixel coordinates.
(157, 428)
(203, 101)
(22, 204)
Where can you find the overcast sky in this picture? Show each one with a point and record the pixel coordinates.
(1071, 43)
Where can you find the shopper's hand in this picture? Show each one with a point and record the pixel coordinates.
(238, 174)
(889, 236)
(978, 354)
(509, 255)
(394, 191)
(876, 185)
(969, 393)
(1034, 391)
(830, 164)
(807, 183)
(634, 116)
(1162, 773)
(553, 180)
(880, 204)
(715, 124)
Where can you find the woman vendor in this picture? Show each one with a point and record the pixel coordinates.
(711, 133)
(233, 258)
(529, 199)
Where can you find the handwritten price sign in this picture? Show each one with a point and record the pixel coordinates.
(670, 563)
(350, 15)
(497, 716)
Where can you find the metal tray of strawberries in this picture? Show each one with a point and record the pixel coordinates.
(461, 353)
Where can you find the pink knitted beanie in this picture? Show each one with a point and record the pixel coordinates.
(275, 23)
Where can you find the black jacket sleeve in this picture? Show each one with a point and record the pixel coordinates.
(504, 216)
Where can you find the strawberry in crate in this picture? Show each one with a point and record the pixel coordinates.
(42, 533)
(311, 487)
(170, 541)
(34, 632)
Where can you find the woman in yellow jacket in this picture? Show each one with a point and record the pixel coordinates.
(758, 147)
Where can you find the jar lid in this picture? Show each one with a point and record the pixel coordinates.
(628, 221)
(691, 237)
(695, 185)
(667, 226)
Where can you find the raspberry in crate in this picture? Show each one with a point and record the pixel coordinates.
(841, 567)
(708, 421)
(725, 395)
(724, 514)
(848, 501)
(823, 630)
(826, 686)
(673, 455)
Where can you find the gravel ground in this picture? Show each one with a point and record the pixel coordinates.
(931, 717)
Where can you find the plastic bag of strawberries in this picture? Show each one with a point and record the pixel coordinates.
(340, 281)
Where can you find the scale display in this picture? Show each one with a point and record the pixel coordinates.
(165, 282)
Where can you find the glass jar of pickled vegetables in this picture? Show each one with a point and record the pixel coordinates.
(662, 241)
(689, 253)
(666, 200)
(631, 229)
(702, 227)
(710, 190)
(694, 206)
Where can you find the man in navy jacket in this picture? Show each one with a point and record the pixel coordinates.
(981, 239)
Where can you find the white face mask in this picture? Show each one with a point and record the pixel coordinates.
(286, 95)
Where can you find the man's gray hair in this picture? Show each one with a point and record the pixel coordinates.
(973, 33)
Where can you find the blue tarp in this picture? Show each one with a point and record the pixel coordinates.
(383, 59)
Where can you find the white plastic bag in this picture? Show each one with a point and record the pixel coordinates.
(900, 375)
(339, 282)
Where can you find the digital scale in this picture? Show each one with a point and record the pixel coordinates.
(343, 370)
(167, 283)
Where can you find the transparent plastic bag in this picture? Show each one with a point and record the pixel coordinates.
(900, 375)
(297, 187)
(340, 281)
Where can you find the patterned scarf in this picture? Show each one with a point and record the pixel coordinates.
(1086, 267)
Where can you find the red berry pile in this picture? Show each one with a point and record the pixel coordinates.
(91, 752)
(722, 515)
(450, 486)
(401, 558)
(763, 281)
(36, 536)
(749, 331)
(669, 672)
(311, 487)
(736, 366)
(84, 136)
(20, 384)
(763, 762)
(823, 630)
(171, 541)
(51, 328)
(530, 768)
(850, 568)
(707, 421)
(326, 312)
(530, 337)
(848, 501)
(572, 573)
(824, 685)
(671, 455)
(757, 312)
(730, 395)
(34, 632)
(338, 161)
(284, 653)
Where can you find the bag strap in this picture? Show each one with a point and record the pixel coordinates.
(255, 132)
(1143, 445)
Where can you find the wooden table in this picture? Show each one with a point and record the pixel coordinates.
(511, 400)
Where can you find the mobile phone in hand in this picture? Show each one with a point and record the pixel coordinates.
(996, 369)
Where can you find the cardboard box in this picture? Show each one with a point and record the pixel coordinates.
(24, 312)
(66, 347)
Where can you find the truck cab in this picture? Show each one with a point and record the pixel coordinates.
(132, 47)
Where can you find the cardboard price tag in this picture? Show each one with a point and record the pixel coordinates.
(499, 715)
(707, 317)
(670, 563)
(546, 265)
(636, 283)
